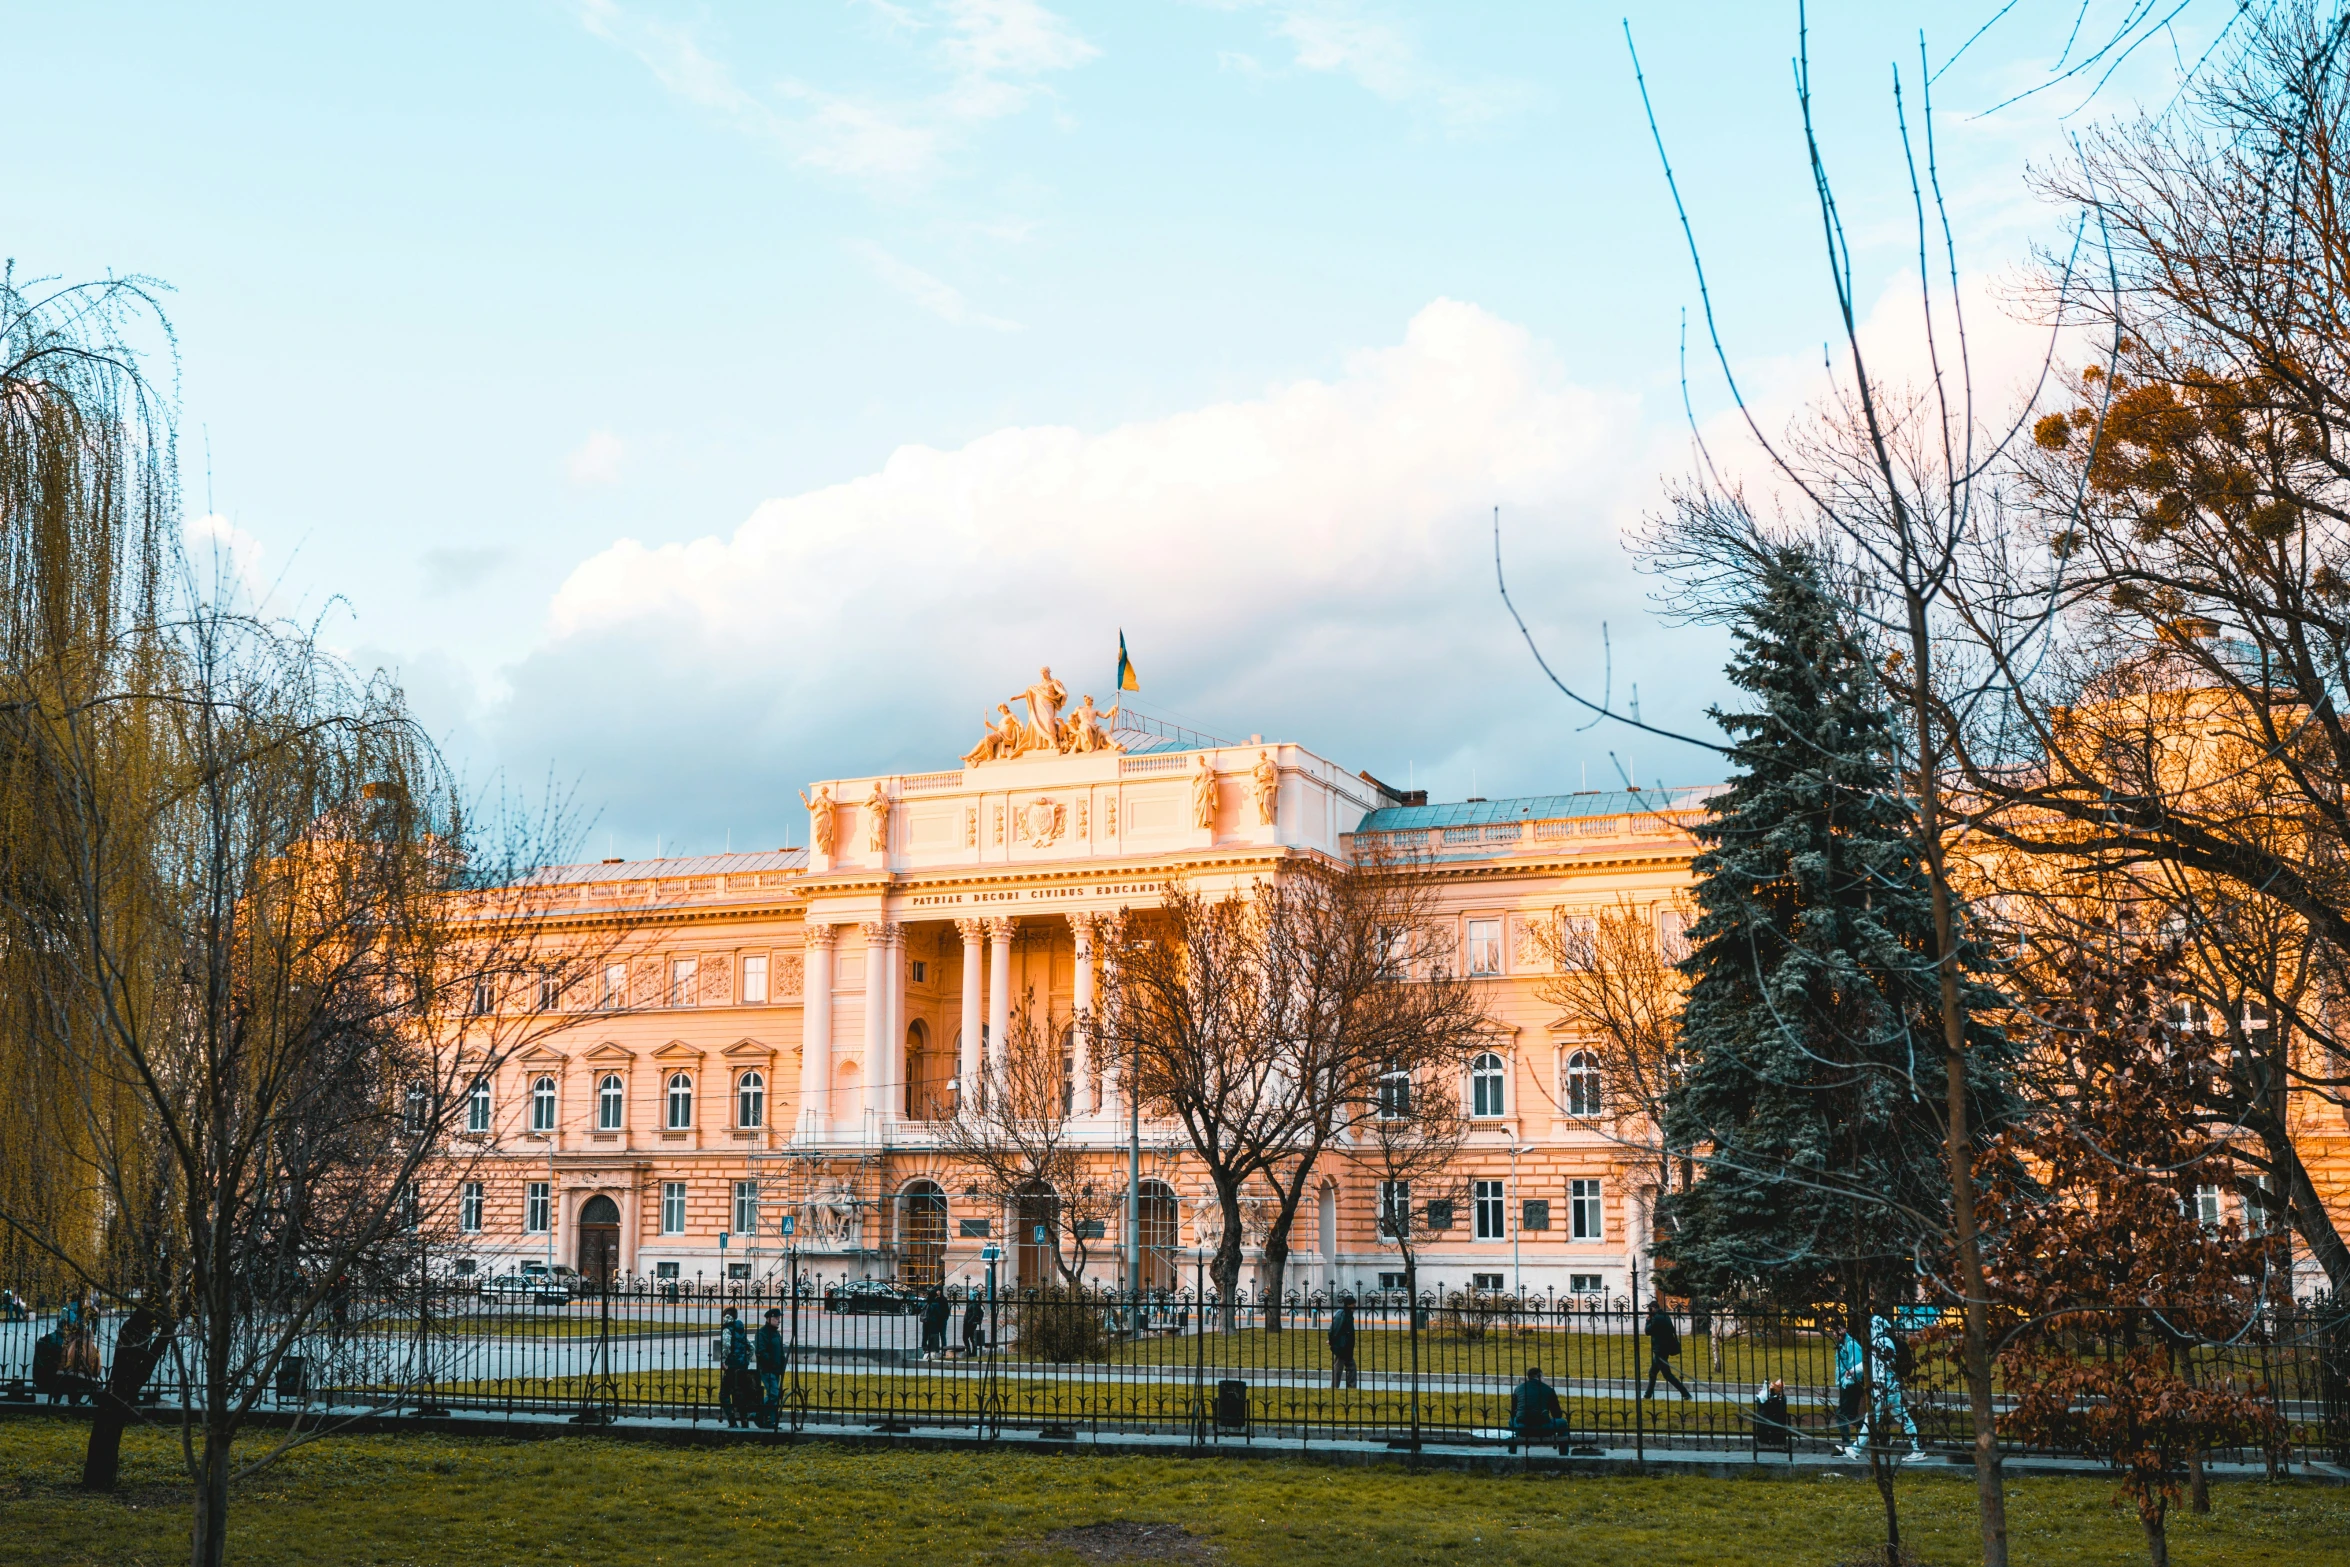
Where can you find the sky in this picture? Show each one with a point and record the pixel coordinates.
(686, 402)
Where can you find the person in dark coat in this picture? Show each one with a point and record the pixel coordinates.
(734, 1360)
(1664, 1342)
(935, 1315)
(1342, 1344)
(768, 1352)
(1772, 1428)
(974, 1328)
(1535, 1415)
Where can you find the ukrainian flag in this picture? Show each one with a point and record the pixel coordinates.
(1127, 680)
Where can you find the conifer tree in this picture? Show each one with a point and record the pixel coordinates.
(1813, 1093)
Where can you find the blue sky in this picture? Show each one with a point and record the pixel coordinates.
(691, 400)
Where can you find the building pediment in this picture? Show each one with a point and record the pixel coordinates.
(745, 1049)
(609, 1052)
(677, 1050)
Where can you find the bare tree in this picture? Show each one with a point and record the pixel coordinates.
(1410, 1147)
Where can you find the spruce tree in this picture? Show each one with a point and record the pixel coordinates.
(1812, 1027)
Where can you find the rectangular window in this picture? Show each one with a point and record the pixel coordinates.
(1537, 1214)
(477, 1108)
(537, 1217)
(1585, 1219)
(1391, 1281)
(1440, 1213)
(673, 1207)
(1395, 1096)
(738, 1271)
(1586, 1284)
(1672, 933)
(746, 1207)
(1395, 1209)
(681, 981)
(921, 972)
(483, 998)
(1484, 946)
(754, 980)
(469, 1208)
(2207, 1207)
(664, 1270)
(1488, 1213)
(1578, 942)
(615, 986)
(550, 991)
(1491, 1283)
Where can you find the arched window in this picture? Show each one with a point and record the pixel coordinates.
(542, 1104)
(1583, 1097)
(922, 1263)
(477, 1107)
(750, 1101)
(1486, 1096)
(681, 1101)
(608, 1102)
(419, 1110)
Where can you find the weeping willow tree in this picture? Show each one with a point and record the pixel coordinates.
(258, 953)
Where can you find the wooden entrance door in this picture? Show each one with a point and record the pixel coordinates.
(599, 1241)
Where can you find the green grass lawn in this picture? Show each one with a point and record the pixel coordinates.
(458, 1502)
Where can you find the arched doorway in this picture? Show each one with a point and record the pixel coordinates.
(928, 1072)
(599, 1240)
(1039, 1237)
(923, 1261)
(1158, 1236)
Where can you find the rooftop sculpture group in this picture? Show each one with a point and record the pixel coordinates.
(1044, 729)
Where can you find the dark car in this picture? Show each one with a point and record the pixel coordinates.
(872, 1298)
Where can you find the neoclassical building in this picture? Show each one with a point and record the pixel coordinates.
(770, 1045)
(757, 1068)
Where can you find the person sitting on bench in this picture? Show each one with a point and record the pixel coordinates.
(1535, 1415)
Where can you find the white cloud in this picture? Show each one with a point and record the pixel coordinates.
(1314, 561)
(940, 298)
(987, 63)
(1342, 37)
(227, 559)
(595, 460)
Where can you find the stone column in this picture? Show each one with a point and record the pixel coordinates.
(974, 933)
(999, 989)
(816, 1030)
(893, 1041)
(876, 1065)
(1083, 1100)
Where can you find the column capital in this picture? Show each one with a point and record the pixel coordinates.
(876, 932)
(1083, 923)
(821, 935)
(1001, 926)
(973, 931)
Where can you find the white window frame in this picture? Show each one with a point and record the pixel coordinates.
(1587, 1284)
(477, 1107)
(1586, 1209)
(2210, 1206)
(673, 1207)
(611, 1102)
(1485, 948)
(680, 1101)
(615, 994)
(1578, 936)
(1489, 1098)
(469, 1206)
(542, 1102)
(1490, 1283)
(746, 1208)
(1395, 1095)
(683, 976)
(1395, 1199)
(750, 1101)
(755, 980)
(1585, 1089)
(1672, 932)
(1490, 1208)
(538, 1208)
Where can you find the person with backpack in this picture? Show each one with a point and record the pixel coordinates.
(734, 1360)
(1890, 1362)
(1664, 1343)
(771, 1357)
(1342, 1344)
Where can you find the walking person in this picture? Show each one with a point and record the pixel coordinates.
(935, 1315)
(974, 1327)
(1664, 1343)
(734, 1361)
(1535, 1415)
(1342, 1344)
(1890, 1407)
(1851, 1386)
(769, 1354)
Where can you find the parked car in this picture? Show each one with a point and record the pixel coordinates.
(526, 1289)
(872, 1297)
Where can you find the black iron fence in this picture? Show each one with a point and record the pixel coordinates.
(1368, 1367)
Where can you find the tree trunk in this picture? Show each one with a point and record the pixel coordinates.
(2150, 1511)
(2198, 1483)
(209, 1548)
(1990, 1482)
(117, 1406)
(1226, 1267)
(1274, 1267)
